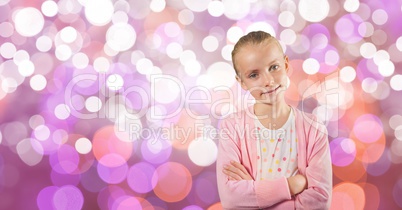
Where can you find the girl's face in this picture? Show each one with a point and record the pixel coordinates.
(262, 71)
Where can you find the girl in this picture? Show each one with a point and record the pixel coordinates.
(271, 155)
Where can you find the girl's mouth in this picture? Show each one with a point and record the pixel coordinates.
(271, 91)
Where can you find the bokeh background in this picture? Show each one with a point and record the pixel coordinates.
(115, 104)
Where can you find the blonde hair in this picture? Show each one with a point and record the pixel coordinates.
(252, 38)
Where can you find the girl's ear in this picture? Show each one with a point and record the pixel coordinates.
(286, 63)
(241, 82)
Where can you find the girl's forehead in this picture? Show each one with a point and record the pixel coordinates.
(270, 48)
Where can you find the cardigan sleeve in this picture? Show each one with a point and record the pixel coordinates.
(318, 170)
(244, 194)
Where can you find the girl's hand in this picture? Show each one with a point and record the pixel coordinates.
(297, 184)
(236, 171)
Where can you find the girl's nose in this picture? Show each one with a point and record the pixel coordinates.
(268, 79)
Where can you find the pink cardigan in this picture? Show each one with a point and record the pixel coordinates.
(237, 141)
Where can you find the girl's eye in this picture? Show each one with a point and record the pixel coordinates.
(274, 67)
(253, 75)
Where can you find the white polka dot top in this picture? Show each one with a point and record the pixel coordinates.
(277, 150)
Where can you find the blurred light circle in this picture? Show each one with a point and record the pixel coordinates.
(216, 8)
(139, 177)
(368, 128)
(38, 82)
(68, 34)
(398, 132)
(174, 182)
(4, 2)
(347, 74)
(144, 65)
(347, 28)
(44, 43)
(210, 43)
(236, 10)
(395, 121)
(288, 6)
(301, 45)
(331, 57)
(9, 85)
(68, 197)
(379, 17)
(26, 68)
(42, 132)
(368, 50)
(343, 151)
(83, 145)
(192, 68)
(366, 29)
(351, 5)
(261, 26)
(93, 104)
(155, 150)
(369, 85)
(80, 60)
(186, 56)
(396, 82)
(397, 191)
(380, 166)
(202, 151)
(186, 17)
(399, 43)
(105, 143)
(380, 56)
(101, 64)
(234, 34)
(288, 36)
(197, 6)
(44, 199)
(121, 36)
(66, 160)
(348, 195)
(7, 50)
(172, 29)
(27, 153)
(6, 29)
(49, 8)
(227, 52)
(115, 82)
(166, 83)
(120, 17)
(220, 74)
(192, 207)
(157, 5)
(136, 55)
(62, 111)
(20, 56)
(28, 21)
(313, 11)
(174, 50)
(35, 121)
(100, 12)
(113, 174)
(386, 68)
(126, 203)
(311, 66)
(286, 18)
(63, 52)
(382, 91)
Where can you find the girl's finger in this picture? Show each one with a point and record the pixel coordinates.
(239, 166)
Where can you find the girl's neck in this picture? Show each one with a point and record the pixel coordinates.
(271, 111)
